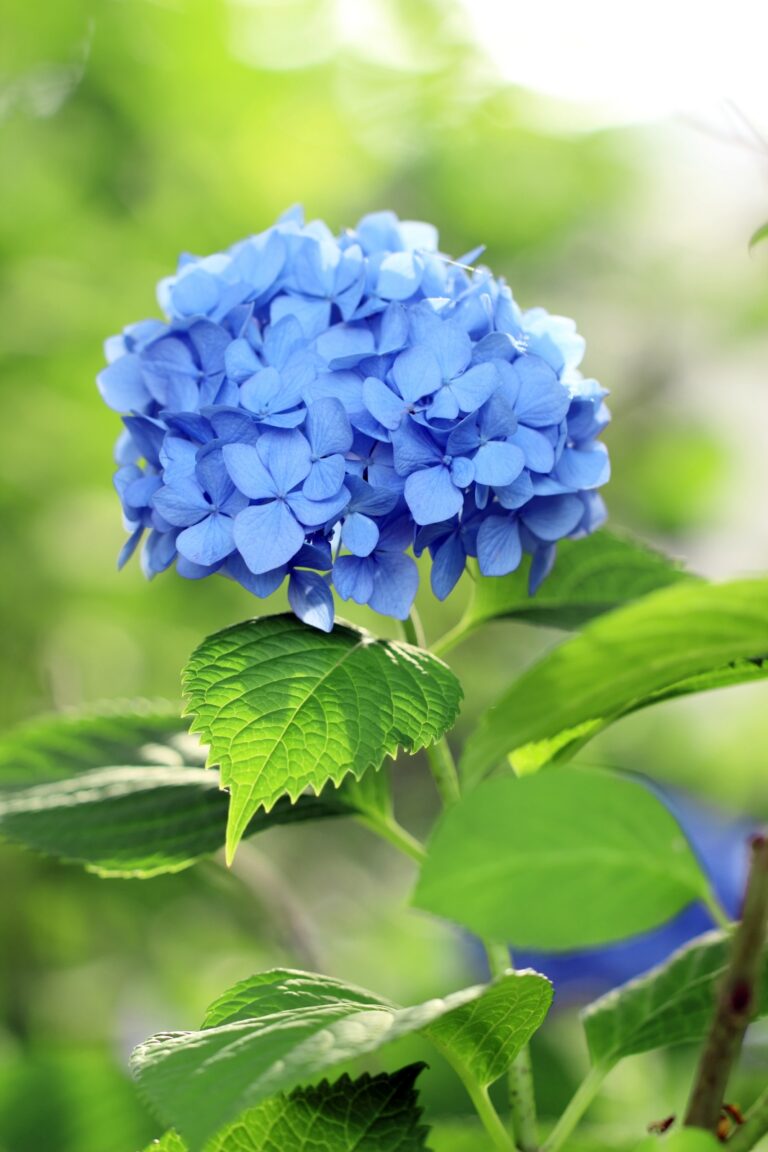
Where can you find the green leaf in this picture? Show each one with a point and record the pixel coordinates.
(670, 1004)
(369, 1114)
(286, 708)
(279, 1028)
(60, 745)
(758, 236)
(566, 859)
(590, 576)
(636, 655)
(138, 821)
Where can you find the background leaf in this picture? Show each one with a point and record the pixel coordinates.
(635, 655)
(685, 1140)
(565, 859)
(285, 708)
(279, 1028)
(671, 1004)
(61, 744)
(590, 576)
(369, 1114)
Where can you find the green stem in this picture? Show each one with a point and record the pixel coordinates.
(754, 1128)
(388, 829)
(483, 1104)
(522, 1101)
(453, 638)
(580, 1101)
(443, 768)
(717, 912)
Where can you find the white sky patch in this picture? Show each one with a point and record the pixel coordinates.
(629, 61)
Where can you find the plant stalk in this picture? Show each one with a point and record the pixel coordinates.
(736, 1000)
(577, 1106)
(754, 1127)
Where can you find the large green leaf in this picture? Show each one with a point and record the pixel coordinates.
(670, 1004)
(140, 820)
(565, 859)
(590, 576)
(272, 1032)
(286, 708)
(59, 745)
(369, 1114)
(684, 1140)
(624, 659)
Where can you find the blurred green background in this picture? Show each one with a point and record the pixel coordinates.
(131, 130)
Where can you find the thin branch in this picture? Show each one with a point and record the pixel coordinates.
(736, 1001)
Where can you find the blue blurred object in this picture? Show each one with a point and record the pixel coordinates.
(721, 844)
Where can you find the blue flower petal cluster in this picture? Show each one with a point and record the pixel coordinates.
(316, 408)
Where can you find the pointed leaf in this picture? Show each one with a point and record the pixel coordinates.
(637, 654)
(270, 1033)
(566, 859)
(590, 576)
(369, 1114)
(670, 1004)
(285, 708)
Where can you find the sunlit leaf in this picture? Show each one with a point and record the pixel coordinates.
(286, 708)
(270, 1033)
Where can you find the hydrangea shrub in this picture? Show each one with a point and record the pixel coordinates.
(322, 410)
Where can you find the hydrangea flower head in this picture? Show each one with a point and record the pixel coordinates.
(316, 408)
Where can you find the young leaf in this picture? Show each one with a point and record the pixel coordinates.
(566, 859)
(625, 658)
(670, 1004)
(138, 821)
(591, 576)
(369, 1114)
(285, 707)
(269, 1033)
(62, 744)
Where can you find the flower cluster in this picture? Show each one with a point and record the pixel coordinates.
(317, 407)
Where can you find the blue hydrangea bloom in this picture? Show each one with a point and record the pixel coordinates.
(316, 408)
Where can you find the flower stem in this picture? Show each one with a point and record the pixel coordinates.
(452, 638)
(579, 1102)
(522, 1101)
(754, 1127)
(388, 829)
(736, 1000)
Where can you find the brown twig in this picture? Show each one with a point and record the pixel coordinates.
(736, 1000)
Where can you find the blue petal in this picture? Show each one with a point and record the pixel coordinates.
(368, 499)
(452, 346)
(552, 517)
(393, 331)
(281, 339)
(267, 535)
(399, 276)
(191, 571)
(444, 406)
(328, 429)
(345, 345)
(462, 471)
(447, 566)
(519, 492)
(261, 585)
(542, 398)
(395, 584)
(233, 425)
(584, 469)
(325, 478)
(122, 386)
(195, 294)
(212, 474)
(314, 513)
(147, 435)
(498, 463)
(181, 504)
(158, 553)
(312, 316)
(287, 455)
(476, 386)
(542, 562)
(248, 472)
(416, 373)
(353, 578)
(413, 448)
(210, 342)
(384, 404)
(359, 534)
(432, 496)
(207, 542)
(538, 451)
(241, 362)
(498, 546)
(129, 547)
(311, 599)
